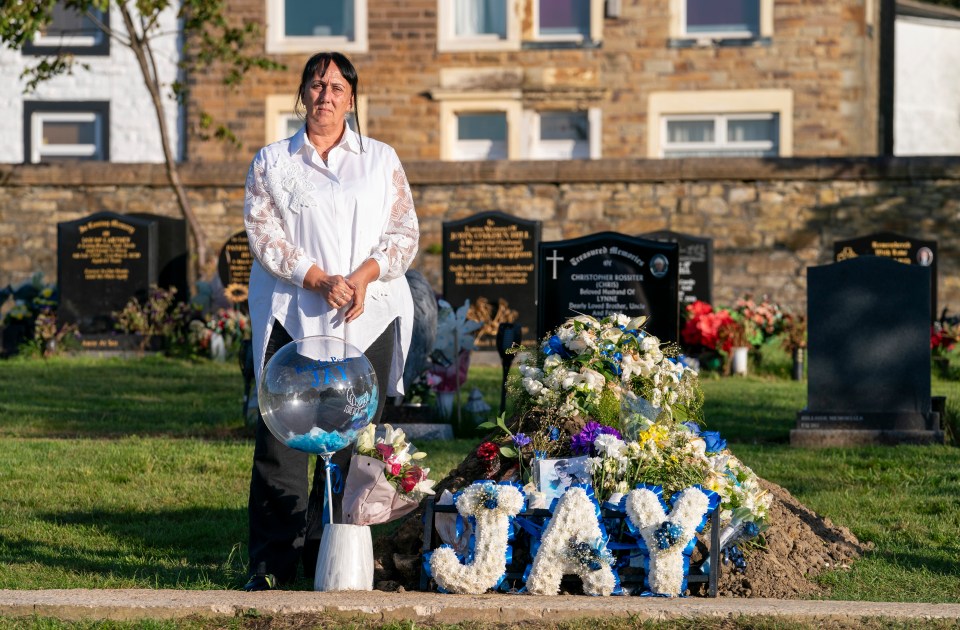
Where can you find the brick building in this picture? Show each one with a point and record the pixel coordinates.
(559, 79)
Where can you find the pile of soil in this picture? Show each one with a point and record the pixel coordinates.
(797, 546)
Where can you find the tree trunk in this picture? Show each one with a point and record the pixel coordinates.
(140, 45)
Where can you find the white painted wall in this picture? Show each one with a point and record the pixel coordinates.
(134, 132)
(927, 87)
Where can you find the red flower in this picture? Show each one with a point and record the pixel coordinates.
(385, 451)
(488, 451)
(411, 478)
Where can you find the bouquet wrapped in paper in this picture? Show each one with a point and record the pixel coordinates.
(384, 481)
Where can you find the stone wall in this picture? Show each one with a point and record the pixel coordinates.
(770, 219)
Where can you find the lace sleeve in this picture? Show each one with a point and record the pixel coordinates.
(265, 227)
(401, 239)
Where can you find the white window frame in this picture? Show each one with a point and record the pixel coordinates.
(595, 30)
(537, 149)
(39, 150)
(678, 24)
(83, 45)
(713, 102)
(279, 109)
(721, 145)
(278, 42)
(449, 41)
(451, 108)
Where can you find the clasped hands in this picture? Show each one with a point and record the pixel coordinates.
(341, 291)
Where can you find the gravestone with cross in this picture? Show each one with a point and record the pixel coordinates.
(606, 273)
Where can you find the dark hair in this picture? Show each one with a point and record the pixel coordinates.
(317, 65)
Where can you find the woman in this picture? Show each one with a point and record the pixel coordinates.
(332, 228)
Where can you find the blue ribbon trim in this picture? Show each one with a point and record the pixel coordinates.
(336, 485)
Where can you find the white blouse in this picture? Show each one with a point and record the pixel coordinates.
(300, 211)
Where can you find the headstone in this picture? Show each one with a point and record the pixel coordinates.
(695, 266)
(490, 259)
(103, 261)
(868, 370)
(608, 273)
(903, 249)
(233, 268)
(172, 253)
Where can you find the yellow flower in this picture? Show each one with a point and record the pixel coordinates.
(235, 292)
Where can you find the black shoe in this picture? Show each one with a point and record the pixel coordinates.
(261, 582)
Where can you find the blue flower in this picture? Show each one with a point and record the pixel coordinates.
(715, 443)
(555, 346)
(554, 434)
(693, 426)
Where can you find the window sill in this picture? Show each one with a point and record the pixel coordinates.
(546, 45)
(711, 42)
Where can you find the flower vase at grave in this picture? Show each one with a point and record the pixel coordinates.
(738, 360)
(797, 370)
(345, 561)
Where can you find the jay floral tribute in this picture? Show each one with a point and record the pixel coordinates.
(607, 390)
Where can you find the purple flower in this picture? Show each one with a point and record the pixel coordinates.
(582, 443)
(521, 440)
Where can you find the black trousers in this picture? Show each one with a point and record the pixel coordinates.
(285, 513)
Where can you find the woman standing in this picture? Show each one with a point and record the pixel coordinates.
(332, 228)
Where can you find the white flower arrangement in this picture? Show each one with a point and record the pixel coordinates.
(667, 535)
(492, 506)
(573, 543)
(587, 362)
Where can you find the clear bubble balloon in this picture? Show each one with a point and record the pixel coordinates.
(317, 394)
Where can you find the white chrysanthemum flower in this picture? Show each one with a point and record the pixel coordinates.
(609, 445)
(594, 380)
(532, 386)
(552, 362)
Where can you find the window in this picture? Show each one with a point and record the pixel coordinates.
(564, 135)
(730, 17)
(720, 123)
(72, 31)
(282, 122)
(477, 25)
(310, 25)
(563, 19)
(481, 136)
(62, 131)
(480, 129)
(693, 21)
(742, 135)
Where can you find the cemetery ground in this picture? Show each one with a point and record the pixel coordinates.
(133, 473)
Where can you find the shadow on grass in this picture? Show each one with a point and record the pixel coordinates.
(189, 548)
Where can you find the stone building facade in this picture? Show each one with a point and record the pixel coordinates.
(810, 66)
(770, 219)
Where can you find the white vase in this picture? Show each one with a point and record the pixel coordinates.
(345, 561)
(738, 361)
(218, 347)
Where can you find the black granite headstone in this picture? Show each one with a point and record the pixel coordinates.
(868, 350)
(172, 253)
(904, 249)
(233, 268)
(608, 273)
(695, 266)
(103, 260)
(490, 259)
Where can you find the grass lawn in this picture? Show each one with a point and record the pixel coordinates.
(133, 473)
